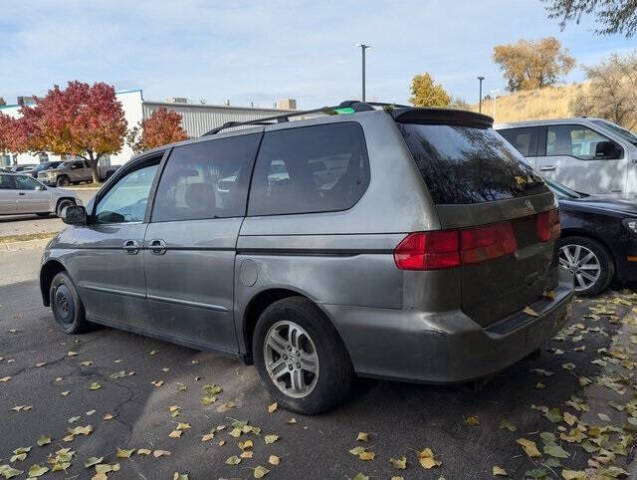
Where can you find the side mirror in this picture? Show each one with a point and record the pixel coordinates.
(608, 150)
(40, 188)
(74, 215)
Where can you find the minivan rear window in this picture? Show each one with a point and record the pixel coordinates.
(463, 164)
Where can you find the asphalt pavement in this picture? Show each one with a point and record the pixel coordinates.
(51, 384)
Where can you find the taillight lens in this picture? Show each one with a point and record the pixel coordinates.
(452, 248)
(548, 225)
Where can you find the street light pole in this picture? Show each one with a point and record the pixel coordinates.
(363, 47)
(480, 79)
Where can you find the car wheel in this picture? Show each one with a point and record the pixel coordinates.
(300, 357)
(66, 305)
(63, 204)
(588, 261)
(62, 181)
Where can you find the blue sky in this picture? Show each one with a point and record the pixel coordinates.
(258, 51)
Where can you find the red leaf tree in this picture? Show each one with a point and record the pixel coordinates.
(83, 120)
(162, 127)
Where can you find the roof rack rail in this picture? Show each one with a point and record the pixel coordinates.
(353, 105)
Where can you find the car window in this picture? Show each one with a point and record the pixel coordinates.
(468, 164)
(126, 201)
(206, 180)
(310, 169)
(523, 139)
(574, 140)
(6, 182)
(26, 183)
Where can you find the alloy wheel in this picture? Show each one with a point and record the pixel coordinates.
(582, 263)
(291, 359)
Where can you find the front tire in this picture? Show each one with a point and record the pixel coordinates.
(590, 263)
(300, 357)
(62, 181)
(68, 309)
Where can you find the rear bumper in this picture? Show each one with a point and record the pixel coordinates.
(445, 347)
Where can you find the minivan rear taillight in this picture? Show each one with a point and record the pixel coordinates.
(548, 225)
(451, 248)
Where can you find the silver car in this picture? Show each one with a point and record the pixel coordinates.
(589, 155)
(22, 194)
(397, 242)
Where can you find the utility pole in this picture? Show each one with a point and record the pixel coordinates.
(363, 47)
(480, 79)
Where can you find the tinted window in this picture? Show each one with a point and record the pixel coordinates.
(523, 139)
(206, 180)
(126, 201)
(310, 169)
(469, 165)
(26, 183)
(6, 182)
(574, 140)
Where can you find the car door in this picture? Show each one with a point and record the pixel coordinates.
(191, 239)
(33, 197)
(583, 159)
(8, 195)
(79, 171)
(108, 265)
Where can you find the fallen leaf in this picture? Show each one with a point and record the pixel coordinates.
(108, 416)
(234, 460)
(427, 460)
(121, 453)
(573, 475)
(94, 386)
(270, 439)
(81, 430)
(529, 311)
(37, 471)
(274, 460)
(499, 471)
(9, 472)
(273, 407)
(90, 412)
(245, 445)
(367, 456)
(175, 434)
(106, 468)
(505, 424)
(260, 472)
(207, 437)
(603, 417)
(360, 476)
(65, 393)
(92, 461)
(71, 353)
(43, 440)
(158, 383)
(291, 421)
(5, 379)
(161, 453)
(556, 451)
(472, 421)
(399, 464)
(530, 448)
(86, 363)
(247, 454)
(362, 437)
(180, 476)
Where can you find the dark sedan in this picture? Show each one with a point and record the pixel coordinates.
(599, 238)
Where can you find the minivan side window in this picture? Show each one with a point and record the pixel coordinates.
(126, 201)
(6, 182)
(26, 183)
(525, 140)
(310, 169)
(206, 180)
(577, 141)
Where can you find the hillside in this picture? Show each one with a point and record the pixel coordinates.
(548, 102)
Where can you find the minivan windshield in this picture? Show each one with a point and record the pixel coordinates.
(466, 164)
(617, 130)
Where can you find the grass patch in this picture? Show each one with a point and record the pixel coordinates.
(26, 236)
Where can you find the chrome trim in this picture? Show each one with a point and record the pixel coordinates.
(112, 290)
(189, 303)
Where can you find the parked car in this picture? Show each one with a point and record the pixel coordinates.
(415, 258)
(21, 194)
(23, 167)
(41, 167)
(74, 171)
(589, 155)
(598, 243)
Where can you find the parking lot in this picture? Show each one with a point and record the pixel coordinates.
(107, 390)
(14, 225)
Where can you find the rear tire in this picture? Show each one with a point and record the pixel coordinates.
(68, 309)
(599, 268)
(62, 181)
(293, 334)
(61, 205)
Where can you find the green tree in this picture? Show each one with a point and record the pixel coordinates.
(425, 92)
(612, 16)
(529, 65)
(612, 93)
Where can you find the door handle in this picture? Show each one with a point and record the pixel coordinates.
(21, 193)
(131, 247)
(545, 168)
(157, 247)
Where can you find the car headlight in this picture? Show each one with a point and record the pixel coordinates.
(630, 224)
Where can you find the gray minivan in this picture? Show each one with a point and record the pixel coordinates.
(398, 242)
